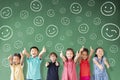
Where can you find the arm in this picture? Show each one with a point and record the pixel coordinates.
(10, 59)
(80, 52)
(99, 66)
(42, 52)
(106, 63)
(76, 57)
(63, 57)
(26, 53)
(91, 53)
(22, 58)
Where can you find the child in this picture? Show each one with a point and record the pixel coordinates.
(99, 65)
(34, 62)
(84, 63)
(69, 72)
(53, 66)
(16, 65)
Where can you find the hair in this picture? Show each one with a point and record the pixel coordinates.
(85, 50)
(18, 55)
(34, 47)
(72, 52)
(97, 49)
(53, 53)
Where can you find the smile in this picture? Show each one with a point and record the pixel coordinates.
(52, 33)
(109, 35)
(6, 35)
(75, 10)
(107, 11)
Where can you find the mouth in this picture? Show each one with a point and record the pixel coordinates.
(6, 35)
(52, 33)
(107, 11)
(35, 7)
(109, 35)
(76, 10)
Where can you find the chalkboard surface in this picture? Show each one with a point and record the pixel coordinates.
(57, 25)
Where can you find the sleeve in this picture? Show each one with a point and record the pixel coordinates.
(40, 60)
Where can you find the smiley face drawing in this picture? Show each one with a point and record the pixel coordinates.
(83, 28)
(59, 47)
(6, 32)
(110, 32)
(108, 8)
(75, 8)
(51, 30)
(65, 20)
(35, 5)
(6, 12)
(38, 21)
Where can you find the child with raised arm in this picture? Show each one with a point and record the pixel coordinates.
(16, 66)
(69, 61)
(34, 62)
(52, 66)
(100, 61)
(85, 63)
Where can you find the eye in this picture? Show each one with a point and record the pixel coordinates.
(110, 7)
(105, 7)
(107, 29)
(2, 33)
(7, 30)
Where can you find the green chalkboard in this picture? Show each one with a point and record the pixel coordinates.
(59, 24)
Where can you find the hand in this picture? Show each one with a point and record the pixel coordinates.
(47, 63)
(10, 57)
(24, 51)
(56, 63)
(100, 67)
(43, 49)
(81, 49)
(61, 54)
(91, 50)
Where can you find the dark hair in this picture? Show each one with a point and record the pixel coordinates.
(53, 53)
(34, 47)
(72, 51)
(85, 50)
(97, 49)
(18, 55)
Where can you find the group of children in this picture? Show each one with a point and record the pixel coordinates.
(69, 64)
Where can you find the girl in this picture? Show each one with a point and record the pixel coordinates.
(84, 63)
(53, 66)
(16, 65)
(34, 62)
(69, 61)
(99, 65)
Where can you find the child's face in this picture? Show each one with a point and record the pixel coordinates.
(100, 53)
(69, 54)
(16, 60)
(84, 55)
(34, 52)
(53, 58)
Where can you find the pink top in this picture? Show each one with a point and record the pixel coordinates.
(69, 72)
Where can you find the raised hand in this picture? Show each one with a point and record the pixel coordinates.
(91, 50)
(47, 63)
(61, 54)
(81, 49)
(43, 49)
